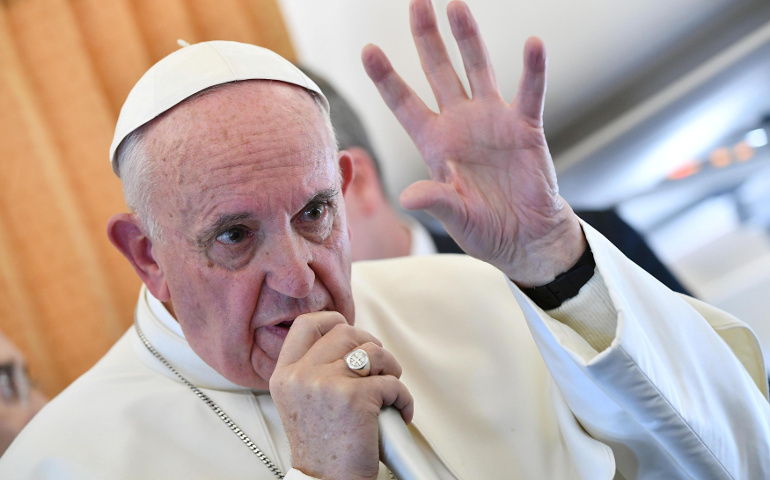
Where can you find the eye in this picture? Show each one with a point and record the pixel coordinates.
(234, 236)
(314, 212)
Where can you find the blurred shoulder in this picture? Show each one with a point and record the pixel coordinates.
(427, 281)
(413, 271)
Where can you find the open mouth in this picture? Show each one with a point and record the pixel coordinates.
(280, 330)
(288, 323)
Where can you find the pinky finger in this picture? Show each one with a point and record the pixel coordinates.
(394, 393)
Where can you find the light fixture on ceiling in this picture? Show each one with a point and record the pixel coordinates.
(757, 138)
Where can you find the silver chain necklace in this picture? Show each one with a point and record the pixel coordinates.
(215, 408)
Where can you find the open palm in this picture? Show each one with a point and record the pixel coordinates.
(493, 184)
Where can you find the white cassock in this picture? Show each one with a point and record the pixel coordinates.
(502, 390)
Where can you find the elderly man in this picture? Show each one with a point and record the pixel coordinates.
(244, 361)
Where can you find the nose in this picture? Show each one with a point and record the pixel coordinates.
(288, 267)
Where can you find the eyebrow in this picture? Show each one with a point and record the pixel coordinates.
(325, 195)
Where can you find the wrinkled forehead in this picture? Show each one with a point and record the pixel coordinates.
(242, 127)
(269, 114)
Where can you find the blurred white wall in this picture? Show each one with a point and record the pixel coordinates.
(593, 47)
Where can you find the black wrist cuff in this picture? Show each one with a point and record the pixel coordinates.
(566, 285)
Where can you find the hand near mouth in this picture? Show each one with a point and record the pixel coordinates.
(329, 411)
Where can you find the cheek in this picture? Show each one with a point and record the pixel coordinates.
(190, 293)
(334, 273)
(217, 322)
(340, 243)
(215, 308)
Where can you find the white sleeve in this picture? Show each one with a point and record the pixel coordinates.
(679, 392)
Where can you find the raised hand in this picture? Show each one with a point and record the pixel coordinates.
(493, 184)
(330, 412)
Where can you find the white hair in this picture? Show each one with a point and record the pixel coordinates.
(139, 175)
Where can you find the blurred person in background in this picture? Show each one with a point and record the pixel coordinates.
(19, 400)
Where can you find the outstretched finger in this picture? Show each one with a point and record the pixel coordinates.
(306, 330)
(433, 54)
(531, 97)
(478, 66)
(410, 111)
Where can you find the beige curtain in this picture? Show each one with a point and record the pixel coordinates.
(66, 66)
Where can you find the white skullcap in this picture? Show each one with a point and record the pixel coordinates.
(197, 67)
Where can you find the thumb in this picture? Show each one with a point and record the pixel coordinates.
(438, 199)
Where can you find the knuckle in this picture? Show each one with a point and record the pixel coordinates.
(335, 315)
(303, 321)
(342, 329)
(346, 334)
(374, 351)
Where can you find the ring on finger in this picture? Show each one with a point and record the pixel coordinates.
(358, 362)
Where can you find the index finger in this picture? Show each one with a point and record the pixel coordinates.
(410, 111)
(306, 330)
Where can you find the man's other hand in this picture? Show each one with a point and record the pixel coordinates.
(493, 183)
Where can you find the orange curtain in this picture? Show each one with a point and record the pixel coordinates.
(66, 67)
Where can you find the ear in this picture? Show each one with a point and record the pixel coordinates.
(346, 169)
(127, 235)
